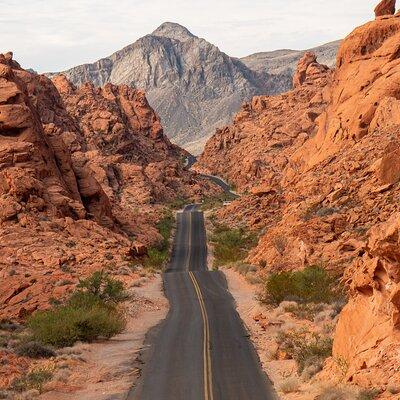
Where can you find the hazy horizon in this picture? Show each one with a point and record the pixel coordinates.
(60, 35)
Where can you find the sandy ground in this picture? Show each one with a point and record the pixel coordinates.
(107, 370)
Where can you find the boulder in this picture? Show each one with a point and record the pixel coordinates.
(385, 7)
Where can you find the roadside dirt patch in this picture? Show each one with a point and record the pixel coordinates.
(107, 370)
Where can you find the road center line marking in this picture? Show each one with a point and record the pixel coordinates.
(208, 385)
(189, 246)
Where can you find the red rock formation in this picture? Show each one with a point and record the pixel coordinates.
(367, 72)
(79, 175)
(385, 7)
(266, 131)
(308, 67)
(368, 332)
(338, 183)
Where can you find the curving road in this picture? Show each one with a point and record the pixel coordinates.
(202, 350)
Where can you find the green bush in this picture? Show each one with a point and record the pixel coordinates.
(305, 348)
(65, 325)
(158, 255)
(32, 380)
(34, 349)
(231, 245)
(311, 285)
(90, 313)
(100, 286)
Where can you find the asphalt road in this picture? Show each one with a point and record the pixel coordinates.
(201, 350)
(191, 160)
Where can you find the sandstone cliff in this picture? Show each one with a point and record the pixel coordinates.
(328, 193)
(82, 174)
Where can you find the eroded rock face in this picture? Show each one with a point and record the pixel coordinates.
(266, 131)
(367, 72)
(385, 7)
(308, 67)
(368, 332)
(84, 174)
(334, 198)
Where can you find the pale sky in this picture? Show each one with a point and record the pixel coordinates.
(52, 35)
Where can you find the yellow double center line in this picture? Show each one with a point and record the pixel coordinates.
(208, 385)
(208, 391)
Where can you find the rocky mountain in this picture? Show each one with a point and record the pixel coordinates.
(192, 85)
(284, 62)
(82, 170)
(319, 173)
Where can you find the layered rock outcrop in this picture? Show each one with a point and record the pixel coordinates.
(84, 175)
(333, 201)
(368, 332)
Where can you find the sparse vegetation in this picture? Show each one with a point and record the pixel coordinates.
(210, 203)
(34, 349)
(311, 285)
(178, 203)
(336, 393)
(91, 312)
(280, 244)
(305, 348)
(393, 388)
(290, 385)
(32, 380)
(368, 394)
(231, 245)
(317, 210)
(304, 311)
(158, 255)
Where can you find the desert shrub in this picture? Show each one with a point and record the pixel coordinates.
(34, 349)
(231, 245)
(158, 255)
(8, 325)
(217, 201)
(305, 348)
(336, 393)
(393, 388)
(305, 310)
(290, 385)
(32, 380)
(262, 264)
(311, 285)
(368, 394)
(90, 313)
(65, 325)
(98, 286)
(280, 244)
(317, 210)
(178, 203)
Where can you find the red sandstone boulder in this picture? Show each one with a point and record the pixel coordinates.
(385, 7)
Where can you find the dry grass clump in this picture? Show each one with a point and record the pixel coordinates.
(306, 348)
(290, 385)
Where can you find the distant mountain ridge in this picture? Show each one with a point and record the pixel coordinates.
(193, 86)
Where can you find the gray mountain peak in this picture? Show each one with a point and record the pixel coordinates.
(173, 30)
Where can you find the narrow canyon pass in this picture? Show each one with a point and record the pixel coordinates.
(259, 260)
